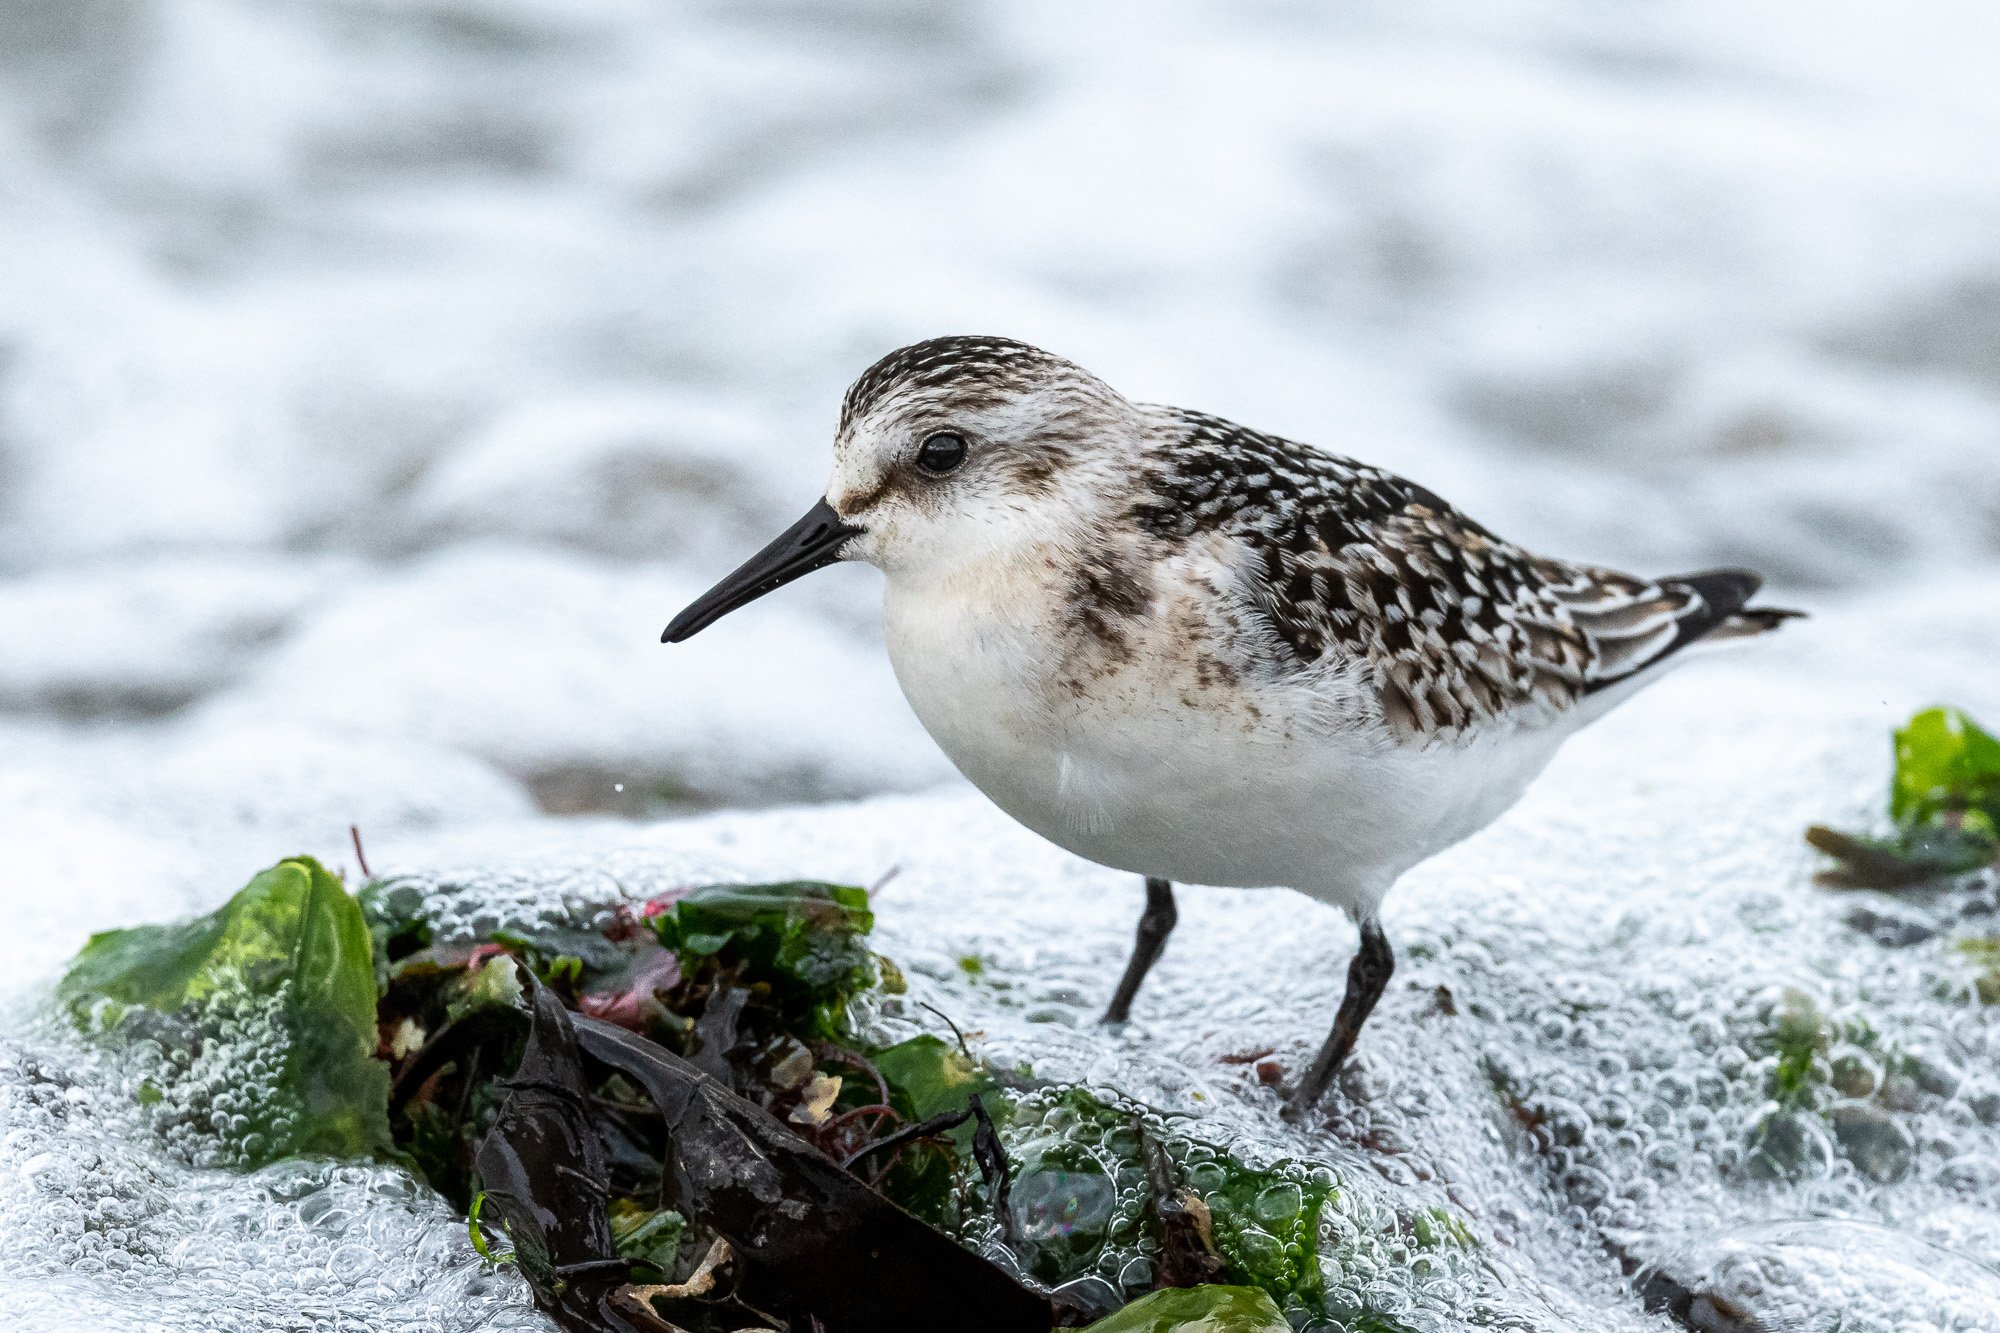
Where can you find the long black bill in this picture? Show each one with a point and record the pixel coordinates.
(811, 543)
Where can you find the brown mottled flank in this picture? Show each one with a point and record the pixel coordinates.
(1107, 595)
(1114, 585)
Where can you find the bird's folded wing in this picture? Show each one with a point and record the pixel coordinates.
(1454, 627)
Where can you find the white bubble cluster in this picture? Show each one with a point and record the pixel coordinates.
(109, 1225)
(210, 1079)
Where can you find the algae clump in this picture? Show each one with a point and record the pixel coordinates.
(1944, 800)
(803, 941)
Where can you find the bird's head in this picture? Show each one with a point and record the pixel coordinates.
(950, 454)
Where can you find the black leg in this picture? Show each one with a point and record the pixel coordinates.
(1154, 927)
(1367, 977)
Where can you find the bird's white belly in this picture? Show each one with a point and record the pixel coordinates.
(1146, 774)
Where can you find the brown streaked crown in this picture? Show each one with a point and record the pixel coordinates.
(958, 362)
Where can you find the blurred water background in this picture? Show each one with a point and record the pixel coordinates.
(377, 376)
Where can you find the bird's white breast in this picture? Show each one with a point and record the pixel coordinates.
(1154, 758)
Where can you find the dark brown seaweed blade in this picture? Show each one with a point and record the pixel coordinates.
(545, 1180)
(807, 1233)
(1869, 863)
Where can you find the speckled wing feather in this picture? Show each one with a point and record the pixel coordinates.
(1454, 627)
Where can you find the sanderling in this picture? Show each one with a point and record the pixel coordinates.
(1180, 647)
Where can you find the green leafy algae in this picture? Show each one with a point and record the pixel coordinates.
(1081, 1205)
(1983, 952)
(1798, 1036)
(802, 940)
(1946, 765)
(288, 965)
(1197, 1310)
(928, 1076)
(495, 981)
(1944, 802)
(1267, 1224)
(647, 1236)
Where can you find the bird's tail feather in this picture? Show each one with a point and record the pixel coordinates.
(1752, 621)
(1721, 607)
(1685, 611)
(1722, 610)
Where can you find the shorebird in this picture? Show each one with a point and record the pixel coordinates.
(1180, 647)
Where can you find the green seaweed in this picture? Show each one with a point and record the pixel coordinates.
(477, 1234)
(928, 1076)
(1079, 1184)
(495, 981)
(1267, 1224)
(1213, 1309)
(1983, 951)
(1434, 1227)
(397, 926)
(802, 940)
(1080, 1201)
(648, 1236)
(563, 954)
(291, 946)
(1799, 1035)
(1946, 765)
(1944, 803)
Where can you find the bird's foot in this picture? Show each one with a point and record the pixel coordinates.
(1318, 1080)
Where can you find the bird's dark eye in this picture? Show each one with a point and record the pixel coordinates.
(940, 453)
